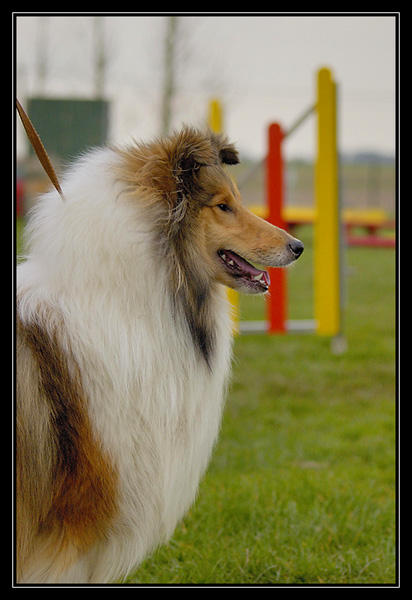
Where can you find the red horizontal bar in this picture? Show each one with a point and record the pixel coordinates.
(371, 241)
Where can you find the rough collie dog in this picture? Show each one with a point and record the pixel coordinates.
(124, 348)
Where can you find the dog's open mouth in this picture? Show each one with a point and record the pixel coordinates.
(238, 267)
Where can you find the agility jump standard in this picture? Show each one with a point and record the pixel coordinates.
(327, 222)
(327, 234)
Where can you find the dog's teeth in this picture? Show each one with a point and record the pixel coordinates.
(223, 256)
(258, 277)
(230, 262)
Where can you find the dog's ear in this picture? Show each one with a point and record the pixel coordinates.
(184, 171)
(194, 150)
(184, 155)
(191, 150)
(228, 155)
(189, 163)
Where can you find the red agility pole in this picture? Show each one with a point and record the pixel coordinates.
(277, 301)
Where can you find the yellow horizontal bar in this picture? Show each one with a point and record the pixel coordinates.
(307, 214)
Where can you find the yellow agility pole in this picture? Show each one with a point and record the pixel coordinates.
(215, 119)
(327, 223)
(215, 122)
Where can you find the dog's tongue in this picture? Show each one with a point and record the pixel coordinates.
(246, 268)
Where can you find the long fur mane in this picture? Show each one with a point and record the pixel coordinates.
(173, 166)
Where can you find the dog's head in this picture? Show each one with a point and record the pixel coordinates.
(186, 169)
(202, 216)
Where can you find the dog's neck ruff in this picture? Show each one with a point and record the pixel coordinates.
(195, 303)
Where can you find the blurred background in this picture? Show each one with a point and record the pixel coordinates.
(87, 80)
(302, 485)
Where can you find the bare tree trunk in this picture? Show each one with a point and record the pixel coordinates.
(100, 57)
(169, 74)
(41, 55)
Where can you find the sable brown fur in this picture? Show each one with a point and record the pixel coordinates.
(66, 487)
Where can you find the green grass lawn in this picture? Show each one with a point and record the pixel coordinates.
(301, 487)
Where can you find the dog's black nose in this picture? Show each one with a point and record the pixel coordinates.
(297, 248)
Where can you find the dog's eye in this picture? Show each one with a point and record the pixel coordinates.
(224, 207)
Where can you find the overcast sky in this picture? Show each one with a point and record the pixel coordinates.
(262, 67)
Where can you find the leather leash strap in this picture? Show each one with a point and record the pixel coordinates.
(38, 148)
